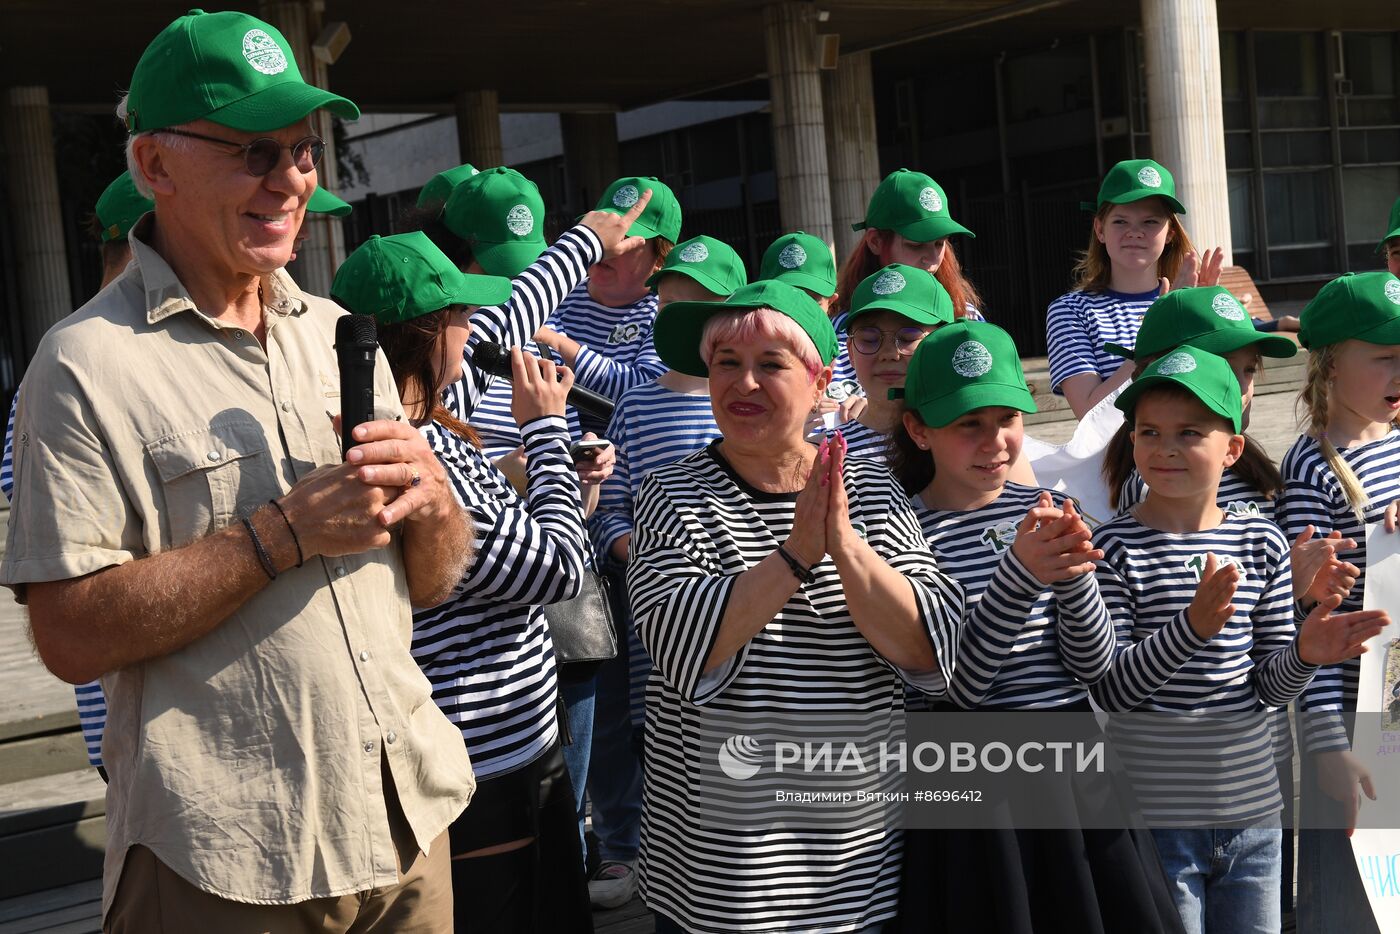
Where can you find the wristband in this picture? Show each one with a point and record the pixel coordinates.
(300, 558)
(804, 575)
(263, 557)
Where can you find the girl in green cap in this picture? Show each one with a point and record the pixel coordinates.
(1202, 601)
(1341, 475)
(907, 221)
(517, 865)
(1034, 633)
(1137, 250)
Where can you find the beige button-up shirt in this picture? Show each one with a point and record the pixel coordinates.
(249, 761)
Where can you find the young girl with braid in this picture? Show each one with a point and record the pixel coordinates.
(1341, 475)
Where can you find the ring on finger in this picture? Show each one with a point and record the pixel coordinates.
(417, 478)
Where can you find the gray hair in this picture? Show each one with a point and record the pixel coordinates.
(169, 141)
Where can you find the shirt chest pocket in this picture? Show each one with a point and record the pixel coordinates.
(209, 476)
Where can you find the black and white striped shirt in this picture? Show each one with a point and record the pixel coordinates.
(698, 527)
(1313, 496)
(487, 650)
(1024, 644)
(535, 293)
(1148, 578)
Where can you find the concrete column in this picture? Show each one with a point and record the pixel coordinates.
(591, 158)
(299, 21)
(36, 216)
(479, 128)
(799, 134)
(848, 99)
(1182, 44)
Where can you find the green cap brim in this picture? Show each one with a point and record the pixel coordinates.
(677, 332)
(1228, 341)
(916, 313)
(946, 409)
(805, 280)
(1127, 399)
(1118, 350)
(323, 202)
(1387, 238)
(507, 259)
(1140, 195)
(699, 275)
(483, 290)
(932, 228)
(280, 105)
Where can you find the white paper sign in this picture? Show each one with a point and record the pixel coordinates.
(1377, 743)
(1076, 466)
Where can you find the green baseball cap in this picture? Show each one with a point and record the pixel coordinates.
(230, 68)
(662, 217)
(323, 202)
(1360, 305)
(802, 260)
(119, 207)
(710, 262)
(913, 205)
(500, 214)
(1133, 180)
(401, 277)
(1393, 226)
(905, 290)
(434, 195)
(1208, 377)
(961, 367)
(680, 325)
(1208, 317)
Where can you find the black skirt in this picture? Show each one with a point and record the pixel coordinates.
(1004, 880)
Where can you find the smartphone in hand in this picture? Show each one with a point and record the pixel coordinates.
(588, 450)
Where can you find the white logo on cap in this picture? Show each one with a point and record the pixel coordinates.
(929, 200)
(695, 253)
(971, 359)
(626, 196)
(792, 256)
(1226, 307)
(263, 52)
(520, 221)
(1392, 291)
(1179, 362)
(888, 283)
(1150, 177)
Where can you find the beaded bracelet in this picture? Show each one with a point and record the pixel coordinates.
(263, 557)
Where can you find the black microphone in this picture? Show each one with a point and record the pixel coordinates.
(355, 347)
(490, 357)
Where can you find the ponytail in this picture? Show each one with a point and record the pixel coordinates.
(1118, 463)
(1257, 469)
(1314, 398)
(911, 465)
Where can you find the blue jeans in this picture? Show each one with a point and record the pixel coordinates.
(615, 768)
(1224, 880)
(578, 701)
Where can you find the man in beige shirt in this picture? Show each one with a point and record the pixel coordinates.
(183, 527)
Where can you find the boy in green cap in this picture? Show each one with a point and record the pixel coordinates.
(1137, 250)
(1390, 243)
(275, 539)
(805, 261)
(654, 424)
(118, 209)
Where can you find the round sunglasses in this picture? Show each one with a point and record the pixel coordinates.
(868, 340)
(262, 155)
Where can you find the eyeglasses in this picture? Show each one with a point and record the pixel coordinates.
(262, 155)
(869, 340)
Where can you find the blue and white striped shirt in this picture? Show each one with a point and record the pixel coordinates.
(617, 354)
(1079, 323)
(1313, 496)
(1235, 496)
(1148, 578)
(487, 650)
(1023, 644)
